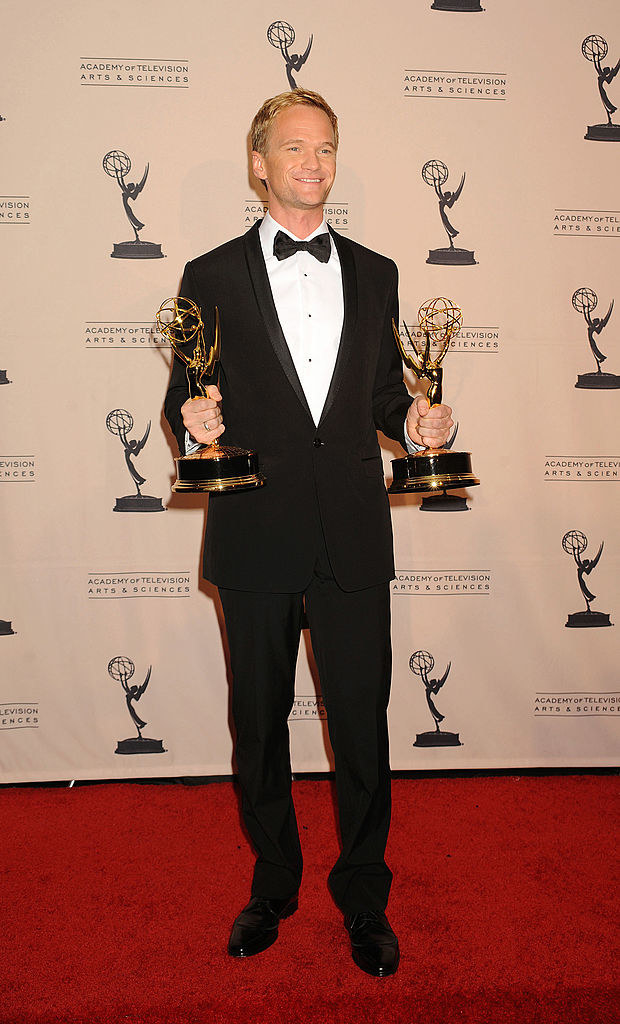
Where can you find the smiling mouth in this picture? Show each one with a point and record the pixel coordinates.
(310, 181)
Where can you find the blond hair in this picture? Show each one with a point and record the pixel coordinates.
(263, 121)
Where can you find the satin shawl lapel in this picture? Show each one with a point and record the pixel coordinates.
(264, 298)
(347, 338)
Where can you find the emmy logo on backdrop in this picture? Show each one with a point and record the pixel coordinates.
(435, 174)
(6, 628)
(120, 422)
(575, 543)
(121, 670)
(282, 35)
(595, 49)
(117, 164)
(437, 470)
(463, 6)
(421, 663)
(585, 301)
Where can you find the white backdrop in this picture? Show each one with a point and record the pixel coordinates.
(504, 95)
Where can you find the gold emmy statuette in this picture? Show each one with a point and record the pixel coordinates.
(213, 467)
(437, 470)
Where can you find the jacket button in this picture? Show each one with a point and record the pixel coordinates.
(317, 442)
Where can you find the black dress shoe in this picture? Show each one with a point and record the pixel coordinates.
(256, 928)
(374, 946)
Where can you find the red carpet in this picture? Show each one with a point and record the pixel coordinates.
(118, 899)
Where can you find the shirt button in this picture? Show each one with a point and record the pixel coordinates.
(317, 442)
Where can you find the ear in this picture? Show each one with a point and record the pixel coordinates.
(258, 165)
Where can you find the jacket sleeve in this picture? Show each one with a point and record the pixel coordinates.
(391, 400)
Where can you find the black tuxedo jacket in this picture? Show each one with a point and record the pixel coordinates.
(327, 477)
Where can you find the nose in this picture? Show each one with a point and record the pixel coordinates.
(311, 161)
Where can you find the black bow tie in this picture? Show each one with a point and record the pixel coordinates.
(319, 246)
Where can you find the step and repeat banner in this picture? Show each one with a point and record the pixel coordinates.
(480, 148)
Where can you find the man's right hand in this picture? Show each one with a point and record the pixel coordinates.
(202, 417)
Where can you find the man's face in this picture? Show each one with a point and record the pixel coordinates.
(299, 164)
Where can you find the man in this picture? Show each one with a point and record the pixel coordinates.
(309, 371)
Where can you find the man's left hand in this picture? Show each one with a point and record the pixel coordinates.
(429, 425)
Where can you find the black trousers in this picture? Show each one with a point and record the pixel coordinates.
(350, 635)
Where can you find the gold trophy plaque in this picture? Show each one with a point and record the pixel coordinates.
(437, 470)
(213, 467)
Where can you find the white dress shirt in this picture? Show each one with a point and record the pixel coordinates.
(309, 301)
(310, 306)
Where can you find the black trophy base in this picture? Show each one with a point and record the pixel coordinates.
(580, 620)
(456, 5)
(437, 739)
(603, 133)
(6, 628)
(432, 470)
(444, 502)
(3, 378)
(137, 251)
(138, 503)
(452, 257)
(140, 745)
(218, 468)
(598, 381)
